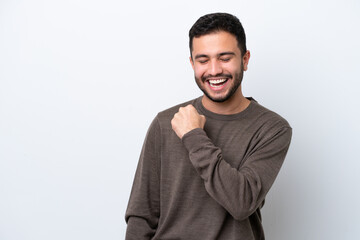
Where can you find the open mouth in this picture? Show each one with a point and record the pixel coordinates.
(217, 83)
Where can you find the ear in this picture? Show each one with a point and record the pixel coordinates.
(246, 59)
(192, 63)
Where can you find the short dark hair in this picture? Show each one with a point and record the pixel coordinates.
(215, 22)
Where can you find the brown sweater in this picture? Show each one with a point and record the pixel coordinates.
(213, 182)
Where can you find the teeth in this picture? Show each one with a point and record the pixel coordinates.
(217, 81)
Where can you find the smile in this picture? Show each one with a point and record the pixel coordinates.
(217, 83)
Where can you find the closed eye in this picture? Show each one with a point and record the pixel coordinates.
(225, 59)
(202, 61)
(226, 56)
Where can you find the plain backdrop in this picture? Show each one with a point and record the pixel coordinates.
(80, 82)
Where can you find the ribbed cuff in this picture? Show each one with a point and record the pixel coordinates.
(194, 139)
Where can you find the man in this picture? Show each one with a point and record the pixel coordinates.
(207, 164)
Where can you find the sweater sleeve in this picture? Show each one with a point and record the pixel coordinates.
(240, 191)
(143, 209)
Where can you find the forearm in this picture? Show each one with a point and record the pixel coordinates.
(240, 191)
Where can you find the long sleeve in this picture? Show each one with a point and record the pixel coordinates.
(143, 209)
(239, 190)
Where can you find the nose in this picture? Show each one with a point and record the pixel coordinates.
(215, 68)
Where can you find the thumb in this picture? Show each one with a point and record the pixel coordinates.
(203, 120)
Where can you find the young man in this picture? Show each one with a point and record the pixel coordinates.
(207, 164)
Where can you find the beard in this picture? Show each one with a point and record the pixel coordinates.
(237, 79)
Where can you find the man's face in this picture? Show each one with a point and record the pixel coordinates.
(218, 65)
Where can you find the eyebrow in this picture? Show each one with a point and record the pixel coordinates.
(219, 55)
(226, 53)
(201, 56)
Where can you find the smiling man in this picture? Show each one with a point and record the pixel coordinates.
(207, 164)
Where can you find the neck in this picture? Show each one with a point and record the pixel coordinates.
(235, 104)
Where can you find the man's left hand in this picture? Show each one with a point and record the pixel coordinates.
(187, 119)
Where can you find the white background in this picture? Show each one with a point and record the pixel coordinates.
(80, 82)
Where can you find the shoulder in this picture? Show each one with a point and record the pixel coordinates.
(164, 117)
(265, 116)
(269, 124)
(264, 126)
(168, 114)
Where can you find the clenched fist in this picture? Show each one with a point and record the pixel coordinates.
(187, 119)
